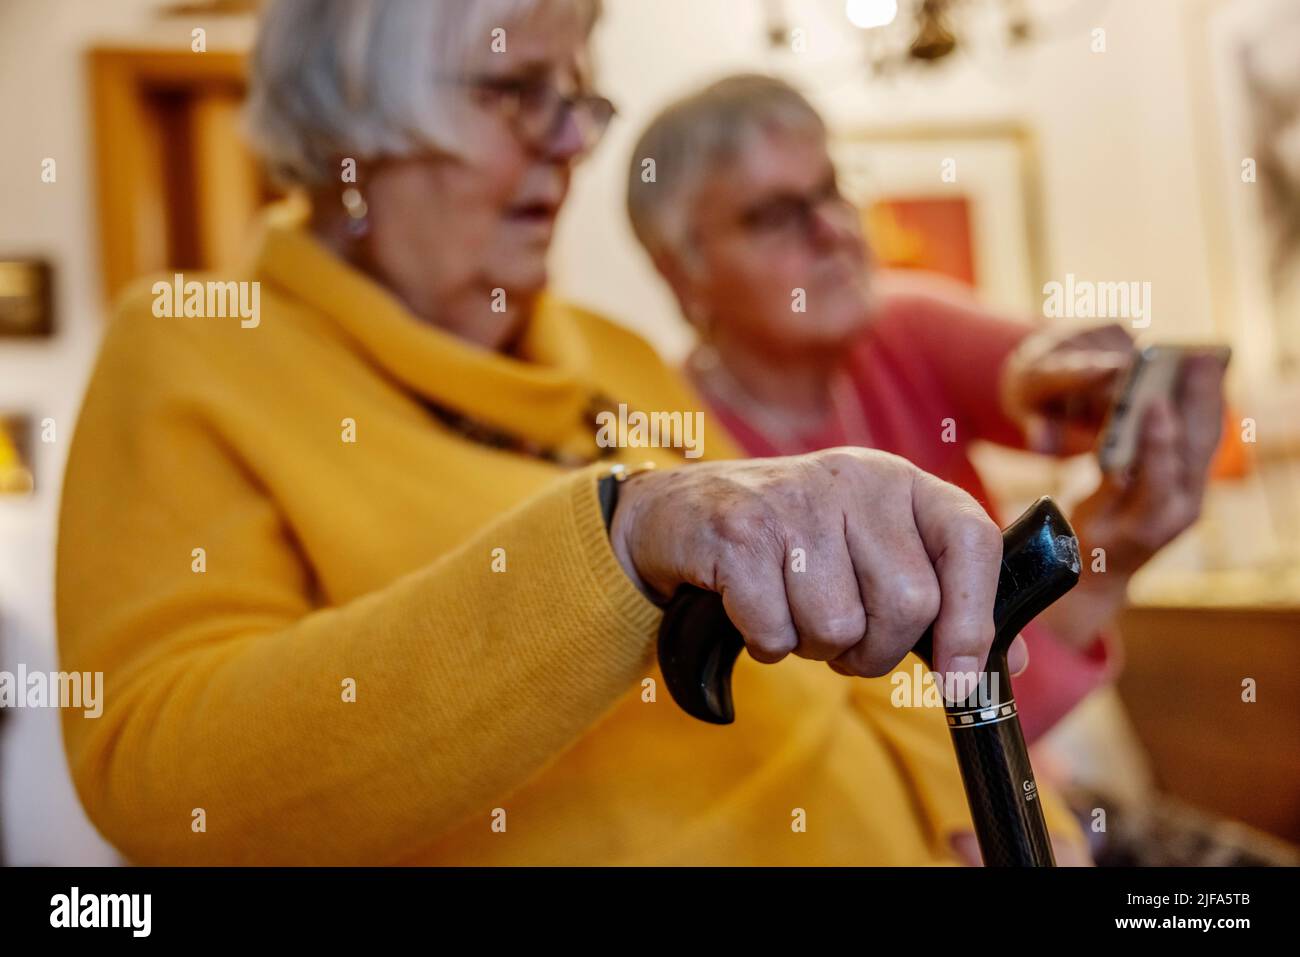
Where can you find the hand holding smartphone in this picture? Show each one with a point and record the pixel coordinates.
(1156, 371)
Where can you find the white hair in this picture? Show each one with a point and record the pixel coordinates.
(697, 136)
(358, 78)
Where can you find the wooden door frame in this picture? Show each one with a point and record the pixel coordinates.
(128, 191)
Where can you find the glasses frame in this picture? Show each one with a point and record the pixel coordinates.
(745, 222)
(593, 111)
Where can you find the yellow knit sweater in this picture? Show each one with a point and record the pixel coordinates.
(344, 674)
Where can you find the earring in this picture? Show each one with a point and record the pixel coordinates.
(354, 204)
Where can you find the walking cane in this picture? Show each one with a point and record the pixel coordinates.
(698, 646)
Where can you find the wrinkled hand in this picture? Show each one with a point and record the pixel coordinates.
(1059, 385)
(1135, 515)
(889, 550)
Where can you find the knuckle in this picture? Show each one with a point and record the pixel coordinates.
(866, 463)
(840, 632)
(915, 602)
(745, 521)
(800, 492)
(863, 662)
(978, 535)
(893, 467)
(772, 647)
(875, 661)
(837, 459)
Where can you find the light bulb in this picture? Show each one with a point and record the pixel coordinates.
(871, 13)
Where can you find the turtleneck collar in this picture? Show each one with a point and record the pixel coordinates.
(544, 395)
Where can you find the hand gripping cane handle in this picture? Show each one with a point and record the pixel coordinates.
(698, 645)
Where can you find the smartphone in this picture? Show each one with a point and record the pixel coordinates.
(1155, 372)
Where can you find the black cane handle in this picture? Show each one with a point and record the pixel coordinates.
(698, 645)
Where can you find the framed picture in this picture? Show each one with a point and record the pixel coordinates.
(164, 208)
(960, 201)
(1244, 58)
(16, 476)
(26, 300)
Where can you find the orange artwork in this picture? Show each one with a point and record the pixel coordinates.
(932, 234)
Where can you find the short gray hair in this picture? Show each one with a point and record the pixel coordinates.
(357, 78)
(697, 135)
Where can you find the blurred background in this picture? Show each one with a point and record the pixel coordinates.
(1128, 141)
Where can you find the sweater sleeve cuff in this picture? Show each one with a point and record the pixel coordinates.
(624, 601)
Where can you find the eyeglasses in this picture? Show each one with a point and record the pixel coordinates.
(789, 216)
(537, 110)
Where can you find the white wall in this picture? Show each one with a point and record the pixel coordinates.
(1119, 189)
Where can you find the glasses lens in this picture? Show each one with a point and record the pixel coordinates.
(538, 110)
(784, 215)
(541, 123)
(535, 115)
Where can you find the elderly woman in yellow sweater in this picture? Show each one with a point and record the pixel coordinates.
(344, 564)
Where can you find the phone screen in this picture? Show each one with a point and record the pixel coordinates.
(1155, 372)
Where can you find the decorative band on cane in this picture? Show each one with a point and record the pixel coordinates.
(977, 717)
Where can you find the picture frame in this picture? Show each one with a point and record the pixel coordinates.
(17, 470)
(994, 199)
(993, 189)
(26, 298)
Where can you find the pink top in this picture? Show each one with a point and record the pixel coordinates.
(932, 354)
